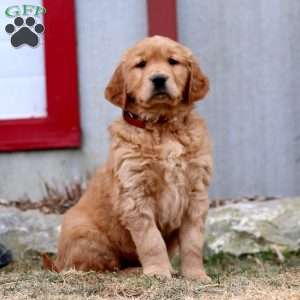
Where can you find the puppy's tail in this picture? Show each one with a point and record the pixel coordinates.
(48, 264)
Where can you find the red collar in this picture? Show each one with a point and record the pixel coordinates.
(133, 119)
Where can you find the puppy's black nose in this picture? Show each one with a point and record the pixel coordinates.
(159, 81)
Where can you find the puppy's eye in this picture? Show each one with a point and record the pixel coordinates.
(173, 61)
(141, 64)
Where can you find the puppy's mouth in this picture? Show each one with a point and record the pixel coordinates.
(160, 96)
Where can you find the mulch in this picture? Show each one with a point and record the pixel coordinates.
(58, 201)
(54, 202)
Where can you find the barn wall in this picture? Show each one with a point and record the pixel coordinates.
(250, 51)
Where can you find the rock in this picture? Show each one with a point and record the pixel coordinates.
(253, 227)
(30, 230)
(237, 229)
(4, 201)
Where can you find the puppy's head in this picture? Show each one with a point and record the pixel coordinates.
(157, 72)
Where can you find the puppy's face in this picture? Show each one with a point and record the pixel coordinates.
(157, 72)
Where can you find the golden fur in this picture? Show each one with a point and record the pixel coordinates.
(151, 195)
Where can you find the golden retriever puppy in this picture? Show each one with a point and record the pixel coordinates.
(151, 195)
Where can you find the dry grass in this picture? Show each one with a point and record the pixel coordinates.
(247, 278)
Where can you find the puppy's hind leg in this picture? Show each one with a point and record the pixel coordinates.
(84, 248)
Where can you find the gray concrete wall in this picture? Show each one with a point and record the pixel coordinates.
(250, 51)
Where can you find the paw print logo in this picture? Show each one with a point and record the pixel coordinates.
(24, 33)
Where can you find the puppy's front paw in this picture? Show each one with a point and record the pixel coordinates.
(157, 272)
(197, 275)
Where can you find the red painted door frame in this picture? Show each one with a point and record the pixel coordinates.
(162, 19)
(61, 129)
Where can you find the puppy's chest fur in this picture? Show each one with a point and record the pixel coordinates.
(172, 198)
(162, 170)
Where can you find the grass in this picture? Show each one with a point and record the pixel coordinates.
(249, 277)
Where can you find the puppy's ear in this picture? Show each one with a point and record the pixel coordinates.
(198, 84)
(115, 91)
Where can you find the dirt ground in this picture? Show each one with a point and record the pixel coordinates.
(246, 278)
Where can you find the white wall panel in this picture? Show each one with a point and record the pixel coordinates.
(22, 72)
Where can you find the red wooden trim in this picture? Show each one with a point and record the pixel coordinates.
(34, 134)
(162, 18)
(61, 66)
(60, 129)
